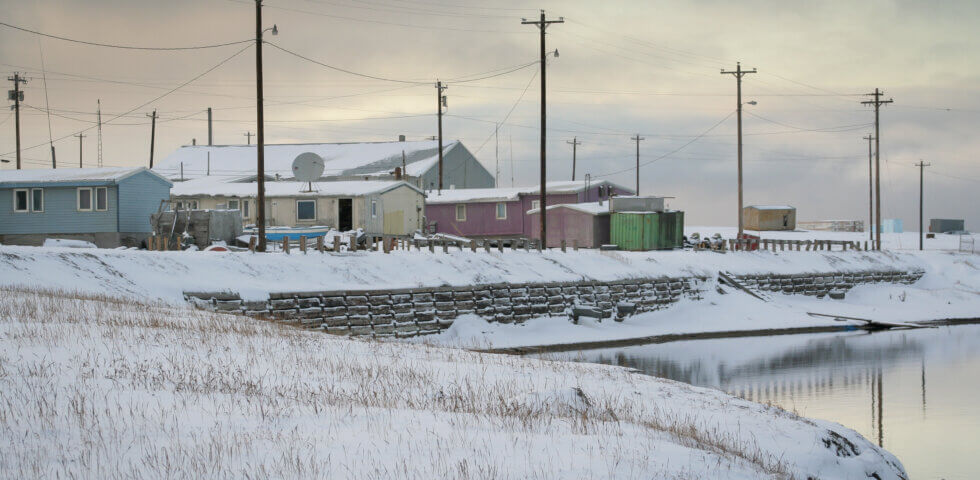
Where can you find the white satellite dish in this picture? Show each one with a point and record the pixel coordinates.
(308, 167)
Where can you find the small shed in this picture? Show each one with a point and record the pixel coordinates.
(769, 217)
(584, 225)
(641, 231)
(109, 207)
(943, 225)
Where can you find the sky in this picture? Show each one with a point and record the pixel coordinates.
(651, 68)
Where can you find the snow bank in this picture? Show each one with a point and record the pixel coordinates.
(107, 389)
(63, 242)
(165, 275)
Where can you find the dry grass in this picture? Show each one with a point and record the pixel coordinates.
(96, 387)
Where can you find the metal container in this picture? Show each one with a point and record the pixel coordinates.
(639, 231)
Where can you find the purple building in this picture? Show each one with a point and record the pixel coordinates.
(502, 212)
(584, 225)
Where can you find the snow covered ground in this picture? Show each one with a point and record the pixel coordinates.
(100, 388)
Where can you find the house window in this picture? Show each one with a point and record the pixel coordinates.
(501, 211)
(20, 200)
(84, 203)
(37, 200)
(245, 208)
(535, 204)
(305, 209)
(374, 208)
(101, 199)
(460, 213)
(180, 205)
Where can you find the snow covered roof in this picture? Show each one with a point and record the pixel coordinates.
(509, 194)
(339, 158)
(592, 208)
(771, 207)
(217, 186)
(69, 175)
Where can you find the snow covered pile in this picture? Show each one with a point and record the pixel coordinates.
(67, 243)
(100, 388)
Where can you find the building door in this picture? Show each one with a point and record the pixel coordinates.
(345, 214)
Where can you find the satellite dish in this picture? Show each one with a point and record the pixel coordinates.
(308, 167)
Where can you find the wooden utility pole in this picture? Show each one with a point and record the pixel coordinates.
(871, 215)
(542, 25)
(153, 132)
(80, 137)
(260, 136)
(877, 102)
(496, 154)
(209, 127)
(637, 138)
(440, 103)
(248, 138)
(922, 167)
(17, 95)
(739, 73)
(574, 143)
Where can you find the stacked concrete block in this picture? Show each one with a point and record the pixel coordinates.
(820, 284)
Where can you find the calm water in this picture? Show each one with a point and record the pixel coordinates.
(915, 392)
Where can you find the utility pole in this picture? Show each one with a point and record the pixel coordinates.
(98, 116)
(877, 102)
(260, 120)
(871, 215)
(17, 95)
(922, 167)
(440, 103)
(637, 138)
(248, 137)
(209, 128)
(739, 73)
(153, 132)
(574, 143)
(542, 25)
(496, 154)
(80, 137)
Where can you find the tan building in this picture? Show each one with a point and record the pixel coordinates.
(377, 207)
(769, 217)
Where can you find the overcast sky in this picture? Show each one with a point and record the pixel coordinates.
(648, 67)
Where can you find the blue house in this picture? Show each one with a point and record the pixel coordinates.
(106, 206)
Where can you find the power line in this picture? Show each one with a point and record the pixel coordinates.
(124, 47)
(209, 70)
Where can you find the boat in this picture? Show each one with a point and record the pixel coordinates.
(278, 233)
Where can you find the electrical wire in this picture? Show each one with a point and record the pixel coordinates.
(504, 121)
(672, 151)
(124, 47)
(209, 70)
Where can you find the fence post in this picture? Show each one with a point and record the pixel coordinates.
(799, 245)
(285, 244)
(432, 245)
(527, 245)
(575, 245)
(563, 246)
(445, 246)
(473, 246)
(302, 243)
(865, 245)
(486, 245)
(500, 246)
(165, 244)
(336, 243)
(845, 246)
(319, 244)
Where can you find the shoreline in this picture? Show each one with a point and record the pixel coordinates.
(680, 337)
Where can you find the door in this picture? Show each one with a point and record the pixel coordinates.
(345, 214)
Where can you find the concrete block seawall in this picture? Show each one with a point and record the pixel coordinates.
(424, 311)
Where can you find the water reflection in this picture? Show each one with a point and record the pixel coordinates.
(872, 383)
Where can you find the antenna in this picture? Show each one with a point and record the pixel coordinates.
(308, 167)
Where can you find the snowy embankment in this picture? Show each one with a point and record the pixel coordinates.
(101, 388)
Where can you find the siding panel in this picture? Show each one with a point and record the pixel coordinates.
(59, 216)
(139, 197)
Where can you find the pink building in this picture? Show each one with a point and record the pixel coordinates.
(502, 212)
(584, 225)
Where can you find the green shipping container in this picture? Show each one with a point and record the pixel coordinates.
(637, 231)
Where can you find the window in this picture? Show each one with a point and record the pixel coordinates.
(84, 200)
(374, 208)
(460, 213)
(535, 204)
(20, 200)
(180, 205)
(245, 208)
(102, 199)
(37, 200)
(305, 209)
(501, 211)
(233, 205)
(191, 205)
